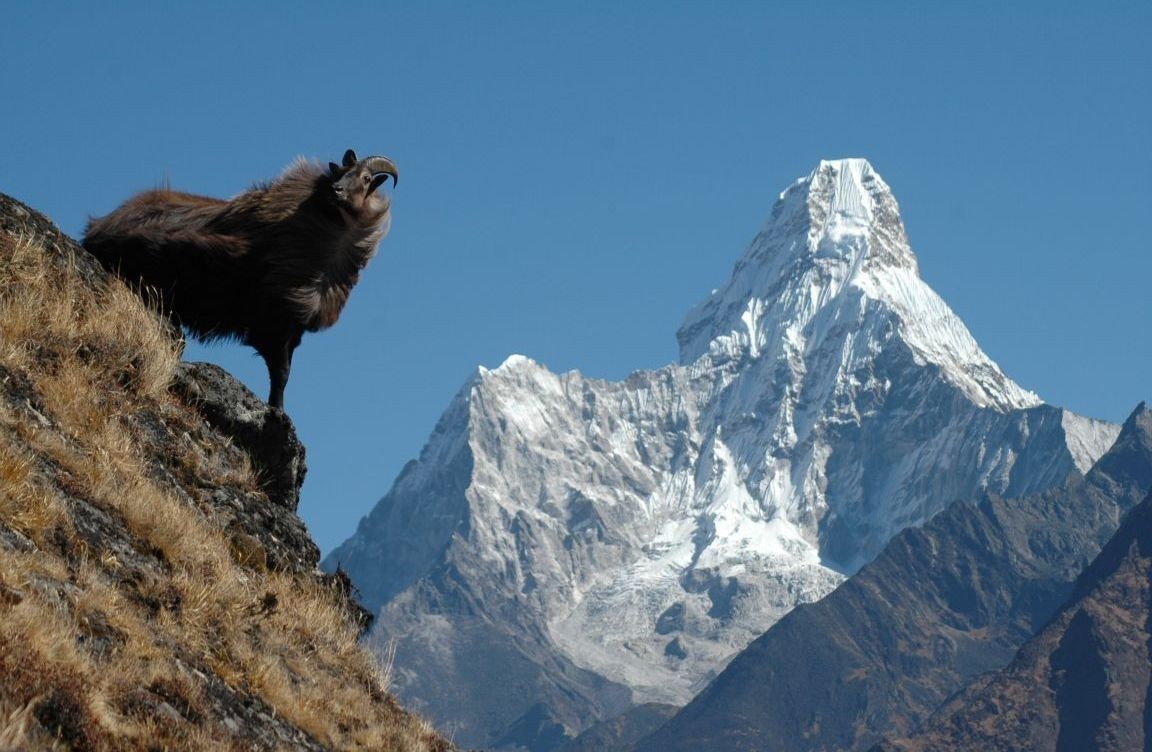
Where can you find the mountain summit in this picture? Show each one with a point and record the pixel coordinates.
(599, 544)
(834, 260)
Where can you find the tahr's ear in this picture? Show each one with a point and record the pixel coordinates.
(349, 158)
(333, 168)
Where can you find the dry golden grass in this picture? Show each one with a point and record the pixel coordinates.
(98, 652)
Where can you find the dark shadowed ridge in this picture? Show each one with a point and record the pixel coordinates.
(1083, 682)
(939, 606)
(621, 733)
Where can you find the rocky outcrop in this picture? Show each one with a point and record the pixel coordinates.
(264, 521)
(264, 432)
(940, 605)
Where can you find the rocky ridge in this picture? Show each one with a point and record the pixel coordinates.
(1084, 682)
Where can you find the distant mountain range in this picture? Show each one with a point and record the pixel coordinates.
(567, 548)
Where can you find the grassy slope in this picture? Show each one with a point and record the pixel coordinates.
(160, 633)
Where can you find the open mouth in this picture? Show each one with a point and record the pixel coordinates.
(378, 180)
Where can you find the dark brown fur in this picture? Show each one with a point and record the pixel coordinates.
(263, 268)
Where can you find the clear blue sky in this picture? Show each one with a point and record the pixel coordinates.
(575, 176)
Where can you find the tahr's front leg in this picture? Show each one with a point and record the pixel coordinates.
(278, 356)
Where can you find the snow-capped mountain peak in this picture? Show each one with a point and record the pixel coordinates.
(835, 251)
(843, 196)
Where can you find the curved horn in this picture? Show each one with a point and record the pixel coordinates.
(382, 166)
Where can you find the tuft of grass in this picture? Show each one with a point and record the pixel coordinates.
(129, 616)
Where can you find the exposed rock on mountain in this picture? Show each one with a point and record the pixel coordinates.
(1084, 682)
(618, 542)
(940, 605)
(157, 590)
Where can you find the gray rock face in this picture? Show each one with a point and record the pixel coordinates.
(267, 438)
(266, 433)
(596, 544)
(942, 604)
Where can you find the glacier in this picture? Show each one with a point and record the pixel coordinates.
(567, 547)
